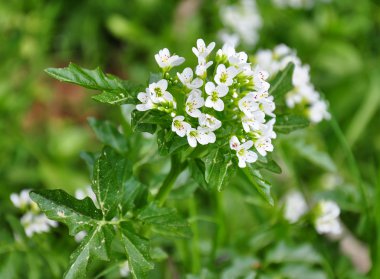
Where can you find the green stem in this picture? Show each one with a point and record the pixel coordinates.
(195, 255)
(176, 168)
(220, 233)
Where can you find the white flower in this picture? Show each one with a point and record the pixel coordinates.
(215, 93)
(80, 236)
(210, 122)
(248, 104)
(201, 69)
(263, 144)
(318, 111)
(254, 121)
(267, 105)
(166, 61)
(187, 79)
(81, 194)
(22, 200)
(202, 51)
(193, 103)
(229, 39)
(124, 269)
(34, 223)
(242, 151)
(158, 92)
(295, 207)
(259, 79)
(179, 126)
(200, 135)
(146, 101)
(327, 220)
(225, 75)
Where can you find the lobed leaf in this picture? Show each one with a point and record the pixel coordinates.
(60, 206)
(95, 245)
(108, 134)
(137, 249)
(147, 121)
(282, 82)
(288, 123)
(111, 171)
(164, 220)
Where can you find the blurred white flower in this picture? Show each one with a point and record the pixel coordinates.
(124, 269)
(80, 236)
(295, 206)
(87, 191)
(36, 223)
(22, 200)
(327, 218)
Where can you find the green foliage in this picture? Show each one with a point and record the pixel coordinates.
(288, 123)
(282, 82)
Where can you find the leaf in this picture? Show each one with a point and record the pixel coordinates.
(135, 195)
(137, 249)
(312, 154)
(58, 205)
(219, 168)
(90, 159)
(197, 169)
(282, 83)
(164, 220)
(111, 171)
(267, 163)
(147, 121)
(95, 245)
(115, 90)
(108, 134)
(262, 186)
(288, 123)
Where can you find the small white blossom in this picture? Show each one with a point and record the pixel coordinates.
(248, 104)
(202, 51)
(81, 194)
(254, 121)
(210, 122)
(34, 223)
(179, 126)
(186, 77)
(318, 111)
(225, 75)
(166, 61)
(146, 101)
(327, 220)
(215, 94)
(242, 151)
(193, 103)
(200, 135)
(295, 207)
(80, 236)
(22, 200)
(267, 105)
(201, 69)
(158, 92)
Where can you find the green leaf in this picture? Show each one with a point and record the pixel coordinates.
(313, 155)
(262, 186)
(115, 90)
(282, 83)
(219, 168)
(111, 171)
(164, 220)
(147, 121)
(90, 159)
(267, 163)
(135, 195)
(78, 215)
(288, 123)
(282, 253)
(197, 169)
(95, 245)
(107, 133)
(137, 249)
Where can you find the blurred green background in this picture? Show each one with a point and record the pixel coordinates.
(43, 122)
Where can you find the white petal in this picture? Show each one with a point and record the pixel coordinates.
(196, 83)
(219, 105)
(247, 145)
(222, 90)
(234, 143)
(209, 103)
(242, 163)
(250, 156)
(209, 87)
(192, 141)
(163, 84)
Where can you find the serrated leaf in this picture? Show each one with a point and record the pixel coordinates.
(111, 171)
(137, 249)
(58, 205)
(262, 186)
(288, 123)
(95, 245)
(115, 90)
(164, 220)
(219, 168)
(282, 83)
(108, 134)
(197, 169)
(267, 163)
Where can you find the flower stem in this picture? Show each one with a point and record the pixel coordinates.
(176, 168)
(195, 255)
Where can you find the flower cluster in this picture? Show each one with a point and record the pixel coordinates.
(326, 213)
(296, 4)
(303, 95)
(243, 20)
(33, 221)
(224, 99)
